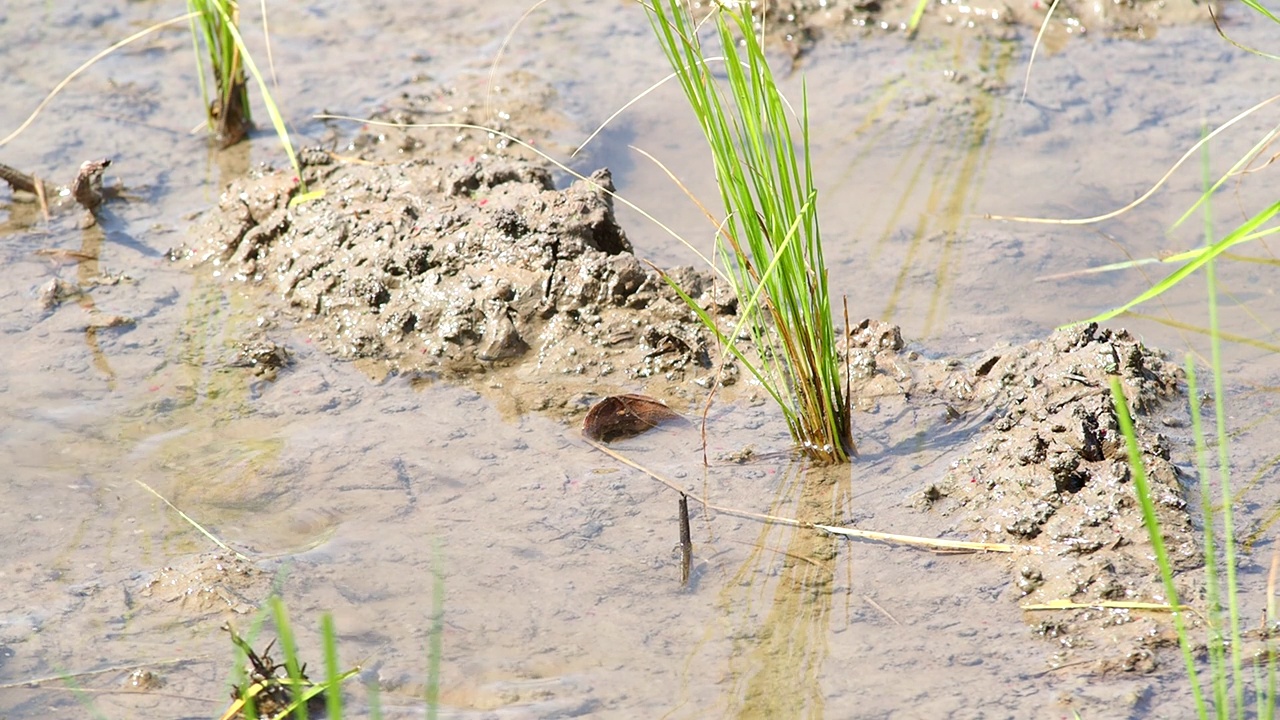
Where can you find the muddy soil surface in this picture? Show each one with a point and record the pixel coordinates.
(799, 23)
(1050, 474)
(430, 260)
(234, 398)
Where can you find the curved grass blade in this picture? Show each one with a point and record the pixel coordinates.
(1234, 238)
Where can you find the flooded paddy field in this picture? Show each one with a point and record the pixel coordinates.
(383, 387)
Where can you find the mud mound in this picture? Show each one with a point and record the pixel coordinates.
(1051, 474)
(459, 268)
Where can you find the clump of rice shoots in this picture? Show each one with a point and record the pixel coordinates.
(769, 243)
(228, 112)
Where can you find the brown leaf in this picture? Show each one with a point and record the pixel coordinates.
(622, 416)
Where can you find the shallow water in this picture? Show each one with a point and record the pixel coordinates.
(561, 589)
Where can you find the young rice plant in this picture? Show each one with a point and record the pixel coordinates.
(769, 241)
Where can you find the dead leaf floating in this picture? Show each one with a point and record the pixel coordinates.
(622, 416)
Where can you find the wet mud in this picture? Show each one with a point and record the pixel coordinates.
(1046, 470)
(241, 391)
(475, 267)
(1050, 474)
(800, 23)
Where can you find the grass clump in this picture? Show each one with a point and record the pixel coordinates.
(216, 22)
(267, 689)
(263, 689)
(769, 242)
(228, 112)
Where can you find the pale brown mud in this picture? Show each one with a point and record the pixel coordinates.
(350, 485)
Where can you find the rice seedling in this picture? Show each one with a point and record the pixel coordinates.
(229, 114)
(216, 22)
(769, 242)
(261, 692)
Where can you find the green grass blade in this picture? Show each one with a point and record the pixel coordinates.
(285, 631)
(1258, 8)
(916, 15)
(198, 28)
(81, 696)
(1236, 169)
(1217, 643)
(1213, 612)
(375, 700)
(1152, 523)
(1228, 514)
(1224, 470)
(277, 121)
(435, 653)
(769, 243)
(1234, 238)
(333, 679)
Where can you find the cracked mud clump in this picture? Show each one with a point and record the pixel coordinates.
(1051, 475)
(460, 267)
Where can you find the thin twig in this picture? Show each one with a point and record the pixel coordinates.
(686, 541)
(192, 522)
(833, 529)
(886, 613)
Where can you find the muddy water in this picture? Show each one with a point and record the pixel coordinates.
(561, 589)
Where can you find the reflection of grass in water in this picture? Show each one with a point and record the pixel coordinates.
(210, 454)
(776, 666)
(949, 157)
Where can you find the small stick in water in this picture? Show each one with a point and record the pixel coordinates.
(686, 541)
